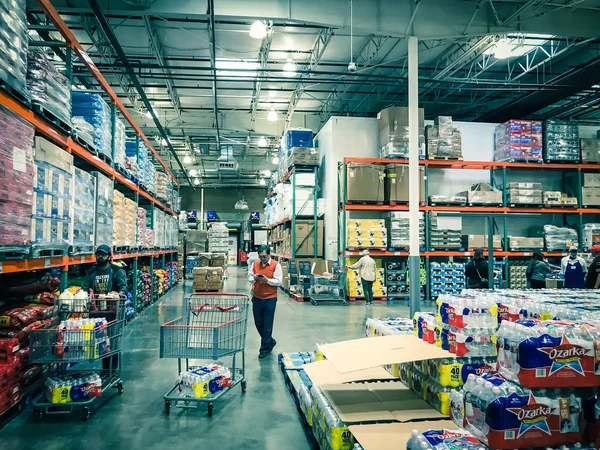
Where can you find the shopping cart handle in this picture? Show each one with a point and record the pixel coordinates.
(199, 309)
(228, 308)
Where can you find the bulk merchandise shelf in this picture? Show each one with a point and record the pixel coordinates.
(493, 214)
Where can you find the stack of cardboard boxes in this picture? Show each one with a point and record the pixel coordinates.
(517, 243)
(590, 192)
(305, 239)
(590, 150)
(475, 241)
(209, 275)
(443, 140)
(482, 194)
(443, 237)
(561, 140)
(366, 233)
(398, 229)
(393, 132)
(524, 193)
(557, 198)
(519, 140)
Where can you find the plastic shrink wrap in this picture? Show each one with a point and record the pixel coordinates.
(95, 111)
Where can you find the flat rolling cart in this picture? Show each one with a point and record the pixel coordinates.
(338, 281)
(87, 355)
(212, 327)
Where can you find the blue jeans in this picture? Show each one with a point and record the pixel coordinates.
(264, 314)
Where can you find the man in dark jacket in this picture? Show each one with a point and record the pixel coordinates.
(103, 278)
(476, 271)
(591, 279)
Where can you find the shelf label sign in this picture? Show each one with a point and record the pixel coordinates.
(82, 260)
(526, 253)
(0, 266)
(47, 262)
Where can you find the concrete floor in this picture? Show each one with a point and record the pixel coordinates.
(263, 418)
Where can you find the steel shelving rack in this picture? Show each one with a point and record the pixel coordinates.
(311, 203)
(498, 177)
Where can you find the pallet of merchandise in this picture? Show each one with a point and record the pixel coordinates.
(447, 203)
(357, 249)
(7, 84)
(294, 360)
(49, 250)
(525, 205)
(85, 144)
(523, 160)
(447, 249)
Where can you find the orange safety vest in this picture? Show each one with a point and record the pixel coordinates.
(264, 290)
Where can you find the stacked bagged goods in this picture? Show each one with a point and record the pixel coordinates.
(52, 183)
(482, 194)
(398, 231)
(447, 278)
(559, 238)
(393, 132)
(83, 206)
(16, 174)
(150, 175)
(13, 41)
(561, 140)
(96, 112)
(590, 150)
(525, 193)
(131, 222)
(195, 241)
(354, 283)
(218, 234)
(445, 236)
(141, 228)
(159, 228)
(136, 164)
(147, 288)
(118, 239)
(104, 209)
(519, 140)
(119, 150)
(48, 88)
(443, 140)
(366, 233)
(132, 166)
(83, 130)
(396, 184)
(150, 237)
(162, 181)
(365, 183)
(590, 192)
(20, 322)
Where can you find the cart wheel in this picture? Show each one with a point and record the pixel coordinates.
(345, 303)
(85, 413)
(210, 409)
(37, 415)
(243, 385)
(167, 407)
(120, 387)
(314, 302)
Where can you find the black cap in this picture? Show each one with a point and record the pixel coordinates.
(104, 249)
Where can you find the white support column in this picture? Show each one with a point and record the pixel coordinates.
(414, 260)
(202, 227)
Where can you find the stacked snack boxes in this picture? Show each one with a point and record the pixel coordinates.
(398, 229)
(118, 219)
(83, 203)
(119, 144)
(354, 284)
(519, 140)
(13, 39)
(141, 228)
(366, 233)
(48, 87)
(525, 193)
(16, 192)
(447, 278)
(131, 222)
(95, 111)
(52, 185)
(104, 209)
(561, 140)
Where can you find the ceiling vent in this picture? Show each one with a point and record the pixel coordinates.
(226, 162)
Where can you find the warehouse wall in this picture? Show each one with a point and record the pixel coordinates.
(222, 200)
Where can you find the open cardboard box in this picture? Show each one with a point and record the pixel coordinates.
(394, 436)
(322, 373)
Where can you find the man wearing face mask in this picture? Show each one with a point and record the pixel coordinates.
(103, 278)
(574, 268)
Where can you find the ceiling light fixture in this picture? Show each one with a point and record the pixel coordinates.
(352, 64)
(236, 68)
(187, 159)
(289, 68)
(503, 49)
(275, 159)
(262, 142)
(196, 181)
(262, 182)
(272, 115)
(272, 94)
(193, 173)
(258, 30)
(267, 173)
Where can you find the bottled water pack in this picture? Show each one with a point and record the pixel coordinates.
(443, 440)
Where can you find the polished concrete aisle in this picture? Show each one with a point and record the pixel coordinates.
(263, 418)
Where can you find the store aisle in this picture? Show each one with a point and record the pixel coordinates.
(264, 418)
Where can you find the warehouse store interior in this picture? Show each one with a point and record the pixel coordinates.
(336, 225)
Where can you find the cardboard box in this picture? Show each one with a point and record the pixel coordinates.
(323, 372)
(394, 436)
(46, 151)
(525, 243)
(591, 179)
(554, 283)
(481, 241)
(485, 197)
(364, 182)
(590, 150)
(590, 196)
(305, 237)
(397, 183)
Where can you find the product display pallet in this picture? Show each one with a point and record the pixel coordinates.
(52, 118)
(14, 252)
(81, 250)
(49, 250)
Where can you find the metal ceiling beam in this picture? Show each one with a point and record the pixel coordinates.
(159, 54)
(316, 53)
(112, 39)
(213, 57)
(263, 60)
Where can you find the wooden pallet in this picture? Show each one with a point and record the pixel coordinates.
(448, 204)
(524, 160)
(81, 249)
(85, 144)
(14, 252)
(8, 85)
(524, 205)
(563, 161)
(561, 206)
(395, 203)
(104, 157)
(49, 250)
(52, 118)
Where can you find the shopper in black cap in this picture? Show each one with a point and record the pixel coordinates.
(103, 278)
